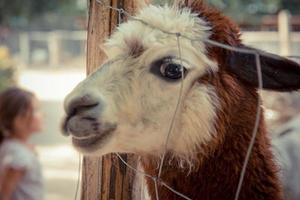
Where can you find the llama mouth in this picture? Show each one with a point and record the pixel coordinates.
(91, 141)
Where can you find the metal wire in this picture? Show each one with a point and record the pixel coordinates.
(255, 129)
(156, 188)
(176, 108)
(134, 169)
(78, 176)
(297, 57)
(176, 192)
(257, 54)
(153, 178)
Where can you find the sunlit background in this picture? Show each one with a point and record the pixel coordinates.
(43, 46)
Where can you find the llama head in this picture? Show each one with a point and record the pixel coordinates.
(128, 105)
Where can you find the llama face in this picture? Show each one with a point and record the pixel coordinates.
(128, 104)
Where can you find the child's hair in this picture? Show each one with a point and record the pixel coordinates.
(13, 102)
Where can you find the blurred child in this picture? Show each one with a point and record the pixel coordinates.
(20, 170)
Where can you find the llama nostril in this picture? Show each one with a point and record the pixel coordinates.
(84, 102)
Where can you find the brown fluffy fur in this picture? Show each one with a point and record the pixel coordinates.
(217, 175)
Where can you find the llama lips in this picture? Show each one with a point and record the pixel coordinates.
(83, 127)
(87, 141)
(93, 139)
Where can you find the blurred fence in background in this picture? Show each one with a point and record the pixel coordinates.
(57, 48)
(284, 41)
(52, 48)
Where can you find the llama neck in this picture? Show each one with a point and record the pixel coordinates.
(218, 174)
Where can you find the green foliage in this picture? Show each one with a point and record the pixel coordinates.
(292, 5)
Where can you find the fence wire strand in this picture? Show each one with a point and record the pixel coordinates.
(176, 108)
(156, 179)
(78, 176)
(255, 129)
(156, 188)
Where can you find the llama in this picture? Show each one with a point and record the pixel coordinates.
(127, 105)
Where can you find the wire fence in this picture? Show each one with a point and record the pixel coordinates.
(157, 179)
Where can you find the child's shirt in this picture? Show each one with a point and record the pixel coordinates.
(15, 155)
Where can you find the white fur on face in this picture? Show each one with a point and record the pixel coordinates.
(141, 103)
(164, 18)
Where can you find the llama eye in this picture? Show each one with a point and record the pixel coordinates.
(172, 70)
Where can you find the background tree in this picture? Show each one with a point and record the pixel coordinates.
(292, 5)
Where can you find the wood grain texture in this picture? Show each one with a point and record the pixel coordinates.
(106, 178)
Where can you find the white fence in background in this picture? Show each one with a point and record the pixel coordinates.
(54, 48)
(284, 42)
(57, 46)
(270, 41)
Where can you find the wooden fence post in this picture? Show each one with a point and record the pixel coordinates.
(107, 177)
(284, 29)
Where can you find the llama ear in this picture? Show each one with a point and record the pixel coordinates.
(278, 73)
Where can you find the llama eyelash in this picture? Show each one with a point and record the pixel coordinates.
(160, 69)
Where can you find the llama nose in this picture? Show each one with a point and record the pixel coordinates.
(80, 103)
